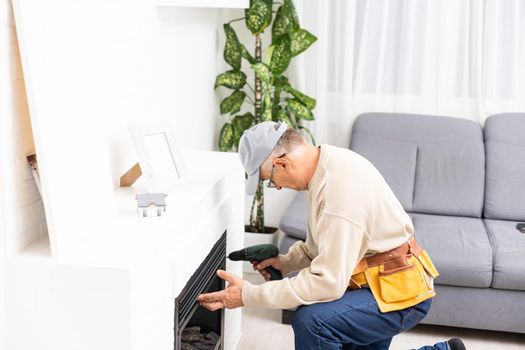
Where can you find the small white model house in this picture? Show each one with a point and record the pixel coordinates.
(151, 204)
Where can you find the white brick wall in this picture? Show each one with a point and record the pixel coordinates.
(24, 209)
(22, 217)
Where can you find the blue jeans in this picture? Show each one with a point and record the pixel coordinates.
(354, 322)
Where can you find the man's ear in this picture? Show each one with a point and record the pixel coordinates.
(285, 163)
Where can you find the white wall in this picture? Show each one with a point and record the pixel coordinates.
(22, 217)
(4, 30)
(92, 68)
(118, 62)
(173, 79)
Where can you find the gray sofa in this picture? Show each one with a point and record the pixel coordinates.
(464, 188)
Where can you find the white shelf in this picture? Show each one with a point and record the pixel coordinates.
(206, 3)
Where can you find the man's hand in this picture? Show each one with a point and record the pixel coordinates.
(262, 265)
(230, 297)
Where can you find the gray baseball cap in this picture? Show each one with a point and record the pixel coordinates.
(255, 146)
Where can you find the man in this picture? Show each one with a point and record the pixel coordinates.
(362, 278)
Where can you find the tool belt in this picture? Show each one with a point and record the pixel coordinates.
(398, 278)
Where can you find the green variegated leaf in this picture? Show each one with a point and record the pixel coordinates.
(267, 57)
(266, 115)
(280, 24)
(267, 106)
(232, 48)
(266, 87)
(291, 14)
(246, 54)
(301, 40)
(282, 55)
(283, 116)
(241, 123)
(226, 137)
(258, 15)
(278, 86)
(233, 79)
(277, 97)
(305, 100)
(263, 72)
(299, 110)
(232, 104)
(281, 81)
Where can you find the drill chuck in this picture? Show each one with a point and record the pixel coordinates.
(239, 255)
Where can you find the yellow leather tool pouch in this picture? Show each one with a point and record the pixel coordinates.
(424, 259)
(401, 282)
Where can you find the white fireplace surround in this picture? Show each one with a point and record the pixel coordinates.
(116, 289)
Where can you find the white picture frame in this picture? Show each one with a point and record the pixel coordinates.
(159, 157)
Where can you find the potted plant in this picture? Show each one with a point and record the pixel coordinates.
(272, 97)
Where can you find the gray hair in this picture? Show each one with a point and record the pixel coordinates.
(290, 142)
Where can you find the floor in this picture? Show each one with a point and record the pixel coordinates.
(262, 330)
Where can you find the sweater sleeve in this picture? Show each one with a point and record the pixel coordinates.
(299, 256)
(340, 245)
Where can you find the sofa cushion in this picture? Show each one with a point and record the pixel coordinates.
(447, 173)
(505, 184)
(286, 243)
(509, 254)
(481, 308)
(381, 152)
(293, 222)
(450, 179)
(458, 246)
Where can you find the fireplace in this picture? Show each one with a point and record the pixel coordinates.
(195, 326)
(144, 265)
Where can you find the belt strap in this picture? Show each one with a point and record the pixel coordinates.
(411, 246)
(358, 278)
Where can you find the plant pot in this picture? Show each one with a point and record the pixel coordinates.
(270, 236)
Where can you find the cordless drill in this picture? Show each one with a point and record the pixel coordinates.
(258, 253)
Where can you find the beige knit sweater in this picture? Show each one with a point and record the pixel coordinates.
(352, 212)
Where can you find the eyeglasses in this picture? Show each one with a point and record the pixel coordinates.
(272, 184)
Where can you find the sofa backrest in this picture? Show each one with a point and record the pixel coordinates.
(505, 178)
(434, 165)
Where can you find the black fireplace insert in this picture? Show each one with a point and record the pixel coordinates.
(196, 328)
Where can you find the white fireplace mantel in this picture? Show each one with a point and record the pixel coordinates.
(116, 289)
